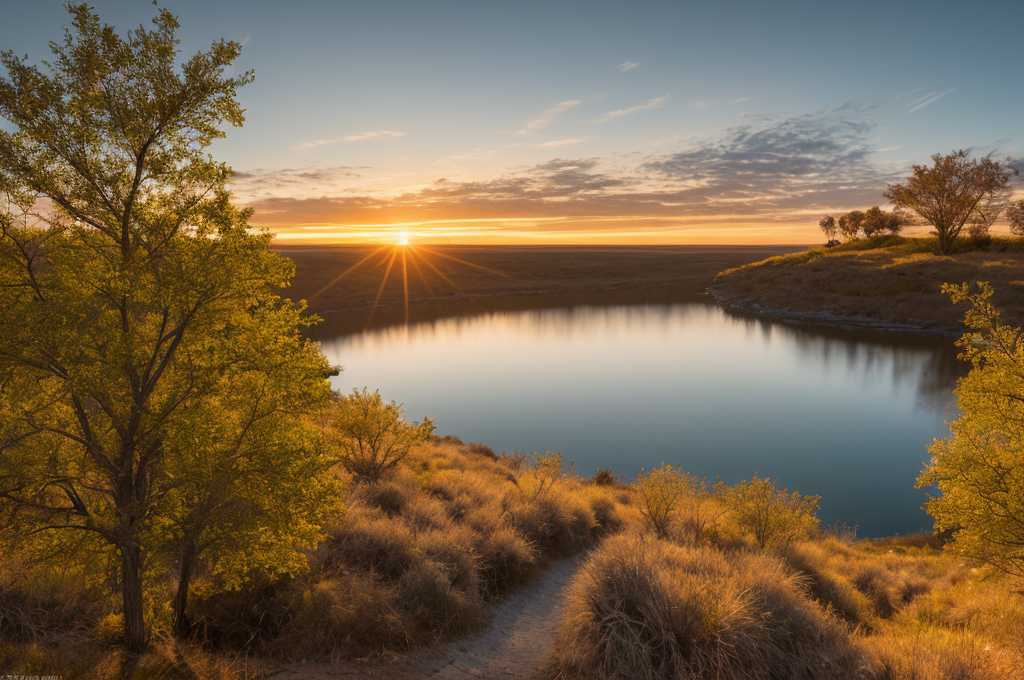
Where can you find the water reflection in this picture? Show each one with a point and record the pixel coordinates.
(844, 414)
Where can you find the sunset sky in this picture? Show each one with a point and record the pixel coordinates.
(589, 122)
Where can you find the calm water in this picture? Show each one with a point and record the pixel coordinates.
(841, 414)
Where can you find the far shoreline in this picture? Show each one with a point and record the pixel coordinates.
(458, 281)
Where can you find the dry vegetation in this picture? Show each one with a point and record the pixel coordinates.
(422, 555)
(816, 605)
(886, 280)
(418, 556)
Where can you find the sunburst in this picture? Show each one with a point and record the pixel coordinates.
(402, 251)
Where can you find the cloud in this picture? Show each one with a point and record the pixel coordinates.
(740, 99)
(546, 116)
(702, 105)
(626, 66)
(766, 169)
(928, 99)
(562, 142)
(314, 143)
(371, 135)
(651, 104)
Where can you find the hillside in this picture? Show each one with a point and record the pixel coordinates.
(888, 282)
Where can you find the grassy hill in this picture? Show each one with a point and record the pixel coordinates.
(887, 282)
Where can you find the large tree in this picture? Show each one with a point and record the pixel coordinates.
(948, 194)
(135, 303)
(978, 467)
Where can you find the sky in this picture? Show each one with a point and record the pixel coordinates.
(588, 122)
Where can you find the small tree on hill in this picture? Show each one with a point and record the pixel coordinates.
(947, 194)
(978, 467)
(829, 227)
(1015, 216)
(988, 211)
(369, 437)
(877, 221)
(850, 224)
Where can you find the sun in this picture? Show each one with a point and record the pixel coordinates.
(402, 254)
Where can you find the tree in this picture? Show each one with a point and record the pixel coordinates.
(850, 223)
(1015, 216)
(948, 194)
(978, 467)
(370, 437)
(988, 211)
(877, 221)
(828, 226)
(135, 305)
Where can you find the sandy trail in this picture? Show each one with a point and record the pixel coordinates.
(517, 640)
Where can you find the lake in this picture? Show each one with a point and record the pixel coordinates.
(844, 414)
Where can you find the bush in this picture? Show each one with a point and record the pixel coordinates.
(661, 491)
(369, 436)
(773, 517)
(644, 608)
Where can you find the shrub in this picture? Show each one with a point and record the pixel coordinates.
(644, 608)
(661, 491)
(369, 436)
(773, 517)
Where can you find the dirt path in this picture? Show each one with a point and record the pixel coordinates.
(518, 639)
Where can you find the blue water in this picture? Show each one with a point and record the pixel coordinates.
(841, 414)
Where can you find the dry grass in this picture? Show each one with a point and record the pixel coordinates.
(888, 279)
(644, 608)
(423, 554)
(722, 607)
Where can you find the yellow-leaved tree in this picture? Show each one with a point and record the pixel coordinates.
(154, 388)
(979, 468)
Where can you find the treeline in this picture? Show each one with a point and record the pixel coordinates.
(872, 222)
(955, 192)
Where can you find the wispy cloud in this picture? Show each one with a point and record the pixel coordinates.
(626, 66)
(546, 116)
(768, 169)
(562, 142)
(929, 98)
(651, 104)
(740, 99)
(314, 143)
(371, 135)
(703, 104)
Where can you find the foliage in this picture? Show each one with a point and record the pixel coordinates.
(774, 517)
(877, 222)
(829, 227)
(1015, 216)
(978, 467)
(850, 223)
(949, 193)
(143, 346)
(988, 211)
(369, 437)
(663, 490)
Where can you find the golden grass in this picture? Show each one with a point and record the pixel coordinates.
(423, 554)
(889, 279)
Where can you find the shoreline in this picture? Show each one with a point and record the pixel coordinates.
(739, 304)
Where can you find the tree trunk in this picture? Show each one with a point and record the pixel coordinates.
(131, 594)
(182, 625)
